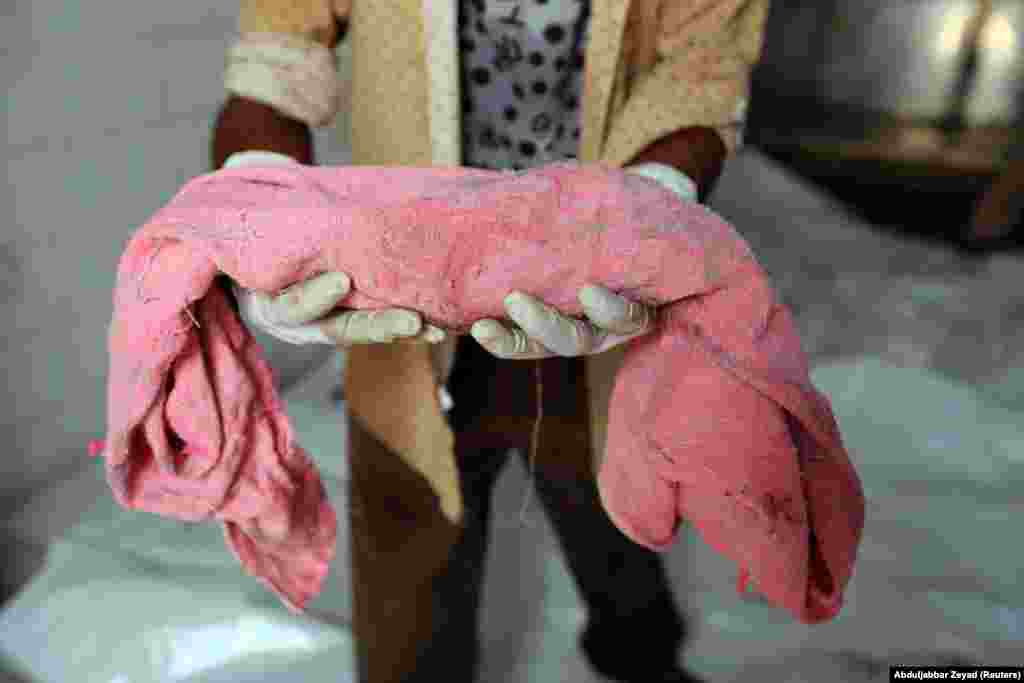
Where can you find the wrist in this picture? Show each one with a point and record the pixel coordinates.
(245, 124)
(257, 157)
(672, 178)
(698, 153)
(297, 75)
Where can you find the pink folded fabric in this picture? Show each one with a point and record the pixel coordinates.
(713, 417)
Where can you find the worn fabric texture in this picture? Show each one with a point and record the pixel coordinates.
(713, 417)
(403, 109)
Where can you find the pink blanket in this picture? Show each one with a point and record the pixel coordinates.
(713, 417)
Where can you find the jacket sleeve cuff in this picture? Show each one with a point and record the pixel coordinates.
(297, 77)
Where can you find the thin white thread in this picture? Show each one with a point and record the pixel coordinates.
(194, 321)
(141, 277)
(534, 441)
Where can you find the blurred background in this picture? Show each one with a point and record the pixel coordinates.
(895, 105)
(879, 132)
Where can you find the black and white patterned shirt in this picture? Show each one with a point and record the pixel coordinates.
(522, 73)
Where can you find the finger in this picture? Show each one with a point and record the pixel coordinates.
(612, 340)
(372, 327)
(310, 300)
(301, 334)
(254, 309)
(615, 313)
(564, 335)
(508, 343)
(429, 334)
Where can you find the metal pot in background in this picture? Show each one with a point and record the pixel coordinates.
(928, 82)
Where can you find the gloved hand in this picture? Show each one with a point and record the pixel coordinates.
(298, 315)
(540, 331)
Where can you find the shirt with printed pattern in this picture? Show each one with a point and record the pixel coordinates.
(522, 70)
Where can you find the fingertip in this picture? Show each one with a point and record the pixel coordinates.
(392, 324)
(515, 296)
(434, 335)
(429, 334)
(324, 290)
(336, 284)
(486, 331)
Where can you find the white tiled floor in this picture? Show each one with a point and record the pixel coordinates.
(108, 111)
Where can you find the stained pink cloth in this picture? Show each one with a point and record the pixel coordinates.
(713, 417)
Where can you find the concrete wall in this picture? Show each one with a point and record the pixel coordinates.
(109, 107)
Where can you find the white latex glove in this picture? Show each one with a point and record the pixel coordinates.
(541, 331)
(298, 315)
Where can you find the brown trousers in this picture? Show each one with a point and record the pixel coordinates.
(417, 578)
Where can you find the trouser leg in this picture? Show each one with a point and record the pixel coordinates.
(633, 620)
(632, 617)
(624, 586)
(400, 543)
(452, 652)
(417, 578)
